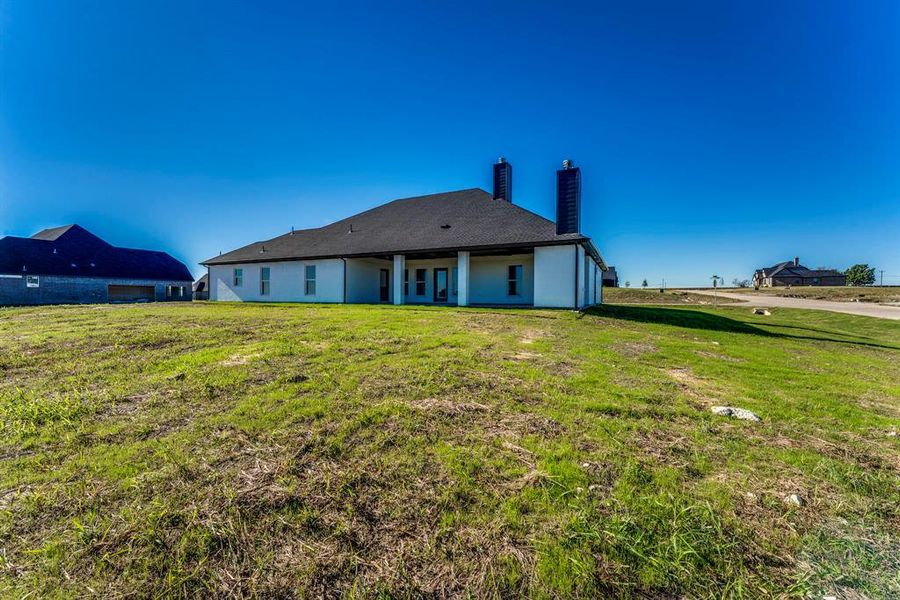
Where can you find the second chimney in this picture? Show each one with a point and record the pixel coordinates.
(568, 199)
(796, 261)
(503, 180)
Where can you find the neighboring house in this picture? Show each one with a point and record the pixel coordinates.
(461, 248)
(201, 288)
(793, 273)
(70, 265)
(610, 277)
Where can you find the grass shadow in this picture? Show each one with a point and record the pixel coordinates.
(709, 321)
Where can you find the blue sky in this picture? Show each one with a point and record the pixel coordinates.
(713, 137)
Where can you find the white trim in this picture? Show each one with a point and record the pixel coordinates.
(10, 277)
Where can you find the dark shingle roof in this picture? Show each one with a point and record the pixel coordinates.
(76, 252)
(466, 219)
(788, 269)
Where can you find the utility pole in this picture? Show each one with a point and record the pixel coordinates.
(715, 280)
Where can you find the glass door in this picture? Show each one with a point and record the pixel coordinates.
(441, 285)
(385, 291)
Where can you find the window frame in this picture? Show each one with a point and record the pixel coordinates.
(237, 277)
(454, 281)
(515, 274)
(406, 282)
(265, 281)
(309, 283)
(421, 282)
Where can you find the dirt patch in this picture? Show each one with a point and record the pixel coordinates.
(634, 349)
(519, 424)
(239, 359)
(128, 405)
(685, 378)
(525, 355)
(448, 407)
(530, 336)
(666, 447)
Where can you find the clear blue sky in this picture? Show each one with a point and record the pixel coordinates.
(713, 136)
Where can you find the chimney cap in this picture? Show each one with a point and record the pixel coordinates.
(501, 160)
(568, 163)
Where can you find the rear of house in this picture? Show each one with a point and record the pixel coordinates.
(70, 265)
(793, 273)
(461, 248)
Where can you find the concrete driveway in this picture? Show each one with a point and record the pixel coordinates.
(881, 311)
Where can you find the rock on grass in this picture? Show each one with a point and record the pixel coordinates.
(737, 413)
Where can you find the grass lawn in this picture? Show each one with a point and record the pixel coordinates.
(837, 294)
(283, 450)
(622, 295)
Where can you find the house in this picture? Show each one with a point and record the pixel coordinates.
(70, 265)
(610, 277)
(201, 288)
(793, 273)
(467, 247)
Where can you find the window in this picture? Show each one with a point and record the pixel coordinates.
(406, 282)
(174, 291)
(420, 281)
(514, 285)
(310, 280)
(32, 281)
(264, 281)
(454, 281)
(238, 277)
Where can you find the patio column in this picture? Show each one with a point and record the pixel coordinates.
(399, 266)
(462, 272)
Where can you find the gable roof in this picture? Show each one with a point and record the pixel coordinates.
(462, 220)
(74, 251)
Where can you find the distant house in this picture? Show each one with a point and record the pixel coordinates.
(610, 277)
(201, 288)
(793, 273)
(467, 247)
(70, 265)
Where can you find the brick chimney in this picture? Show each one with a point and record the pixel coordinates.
(503, 180)
(568, 199)
(796, 261)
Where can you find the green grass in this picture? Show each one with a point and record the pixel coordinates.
(369, 451)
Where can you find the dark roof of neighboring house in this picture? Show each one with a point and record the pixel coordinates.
(76, 252)
(789, 269)
(466, 219)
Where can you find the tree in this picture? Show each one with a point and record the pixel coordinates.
(860, 275)
(627, 284)
(644, 284)
(740, 283)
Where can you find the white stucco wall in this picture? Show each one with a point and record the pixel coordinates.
(286, 282)
(489, 277)
(363, 283)
(554, 276)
